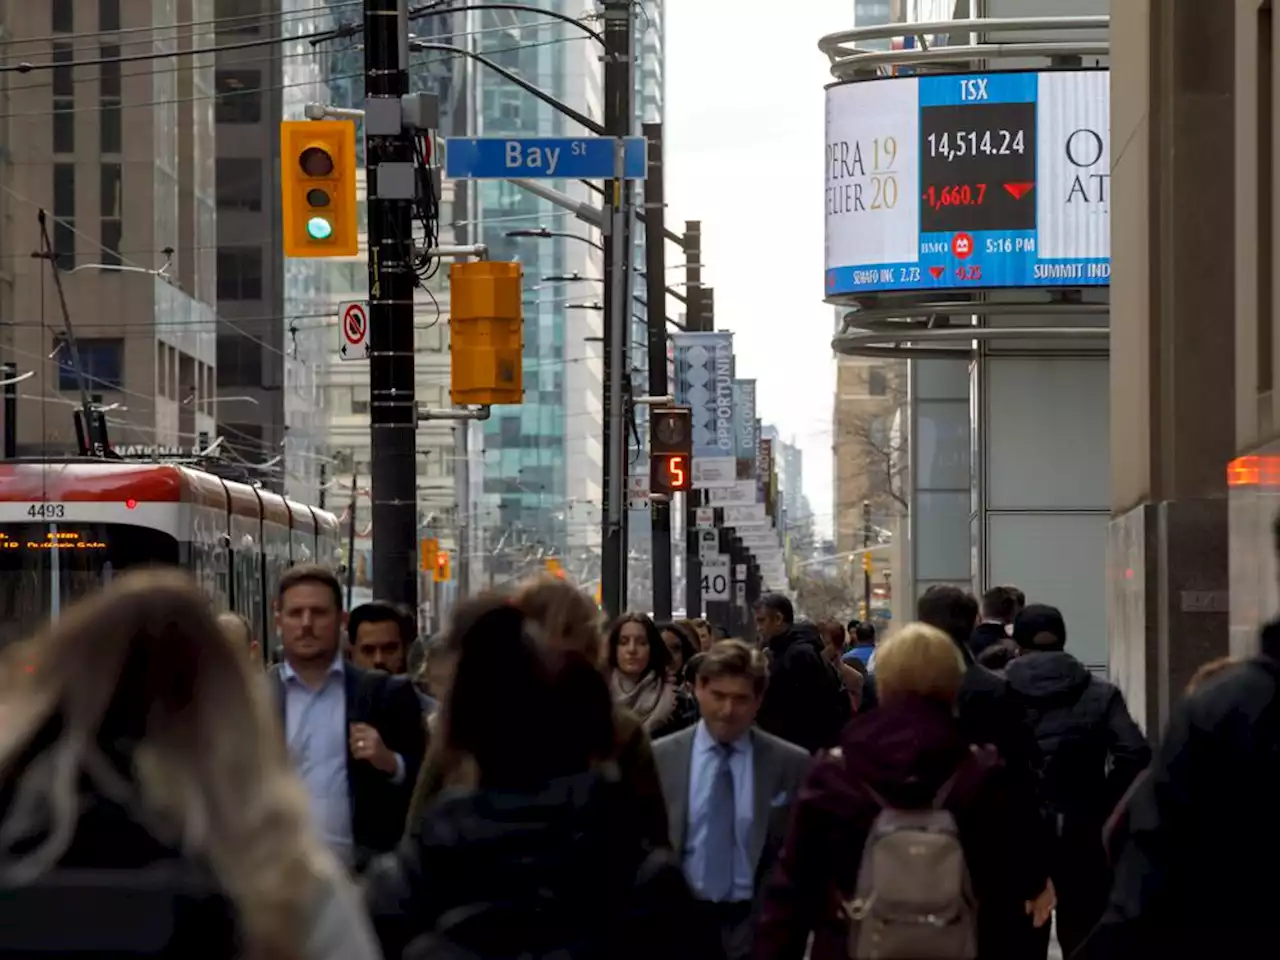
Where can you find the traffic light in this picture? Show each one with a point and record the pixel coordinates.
(554, 567)
(670, 450)
(486, 333)
(442, 572)
(318, 188)
(866, 561)
(430, 549)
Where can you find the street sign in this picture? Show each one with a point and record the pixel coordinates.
(704, 517)
(739, 571)
(715, 578)
(708, 543)
(637, 492)
(542, 158)
(740, 594)
(353, 330)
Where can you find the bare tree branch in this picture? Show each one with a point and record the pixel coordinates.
(886, 454)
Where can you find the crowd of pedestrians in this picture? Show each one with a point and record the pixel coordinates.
(534, 783)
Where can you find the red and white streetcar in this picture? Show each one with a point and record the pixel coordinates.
(67, 527)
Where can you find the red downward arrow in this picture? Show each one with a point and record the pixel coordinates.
(937, 272)
(1019, 190)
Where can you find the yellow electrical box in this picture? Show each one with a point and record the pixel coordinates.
(486, 333)
(442, 573)
(429, 549)
(318, 188)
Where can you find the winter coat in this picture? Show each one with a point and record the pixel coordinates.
(805, 702)
(905, 751)
(498, 874)
(1193, 878)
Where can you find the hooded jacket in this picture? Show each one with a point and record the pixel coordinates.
(1091, 749)
(805, 702)
(905, 750)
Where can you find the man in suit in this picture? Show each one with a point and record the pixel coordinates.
(729, 788)
(356, 737)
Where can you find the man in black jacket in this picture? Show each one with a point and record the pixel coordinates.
(1092, 752)
(805, 702)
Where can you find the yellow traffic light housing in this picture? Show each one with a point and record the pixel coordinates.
(486, 333)
(318, 188)
(430, 549)
(442, 573)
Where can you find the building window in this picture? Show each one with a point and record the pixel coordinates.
(101, 359)
(239, 96)
(64, 126)
(877, 382)
(239, 16)
(64, 82)
(360, 407)
(110, 206)
(62, 18)
(110, 76)
(64, 214)
(111, 133)
(239, 183)
(108, 15)
(239, 361)
(240, 273)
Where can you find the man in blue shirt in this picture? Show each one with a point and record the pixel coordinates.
(356, 737)
(729, 788)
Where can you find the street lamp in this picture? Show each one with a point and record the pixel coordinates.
(542, 233)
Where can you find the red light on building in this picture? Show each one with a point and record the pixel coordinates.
(130, 503)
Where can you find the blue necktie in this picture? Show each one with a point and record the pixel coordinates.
(717, 884)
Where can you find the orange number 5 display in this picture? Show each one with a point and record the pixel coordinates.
(675, 469)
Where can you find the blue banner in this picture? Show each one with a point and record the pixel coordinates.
(704, 381)
(744, 427)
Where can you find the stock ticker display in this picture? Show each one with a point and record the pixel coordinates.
(968, 181)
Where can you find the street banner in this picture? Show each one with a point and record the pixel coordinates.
(744, 427)
(704, 381)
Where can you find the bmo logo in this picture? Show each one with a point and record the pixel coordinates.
(962, 246)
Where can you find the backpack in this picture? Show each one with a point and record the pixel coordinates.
(914, 897)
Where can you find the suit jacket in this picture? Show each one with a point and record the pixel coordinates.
(391, 706)
(779, 769)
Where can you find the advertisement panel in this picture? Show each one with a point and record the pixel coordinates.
(968, 181)
(744, 427)
(704, 381)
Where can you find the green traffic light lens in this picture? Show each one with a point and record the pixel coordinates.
(318, 228)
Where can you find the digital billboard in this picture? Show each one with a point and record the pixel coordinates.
(968, 181)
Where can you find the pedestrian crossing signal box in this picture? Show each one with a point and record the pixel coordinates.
(442, 573)
(669, 473)
(318, 188)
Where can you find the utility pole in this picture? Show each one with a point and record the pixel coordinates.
(866, 559)
(392, 407)
(695, 320)
(618, 122)
(655, 265)
(10, 375)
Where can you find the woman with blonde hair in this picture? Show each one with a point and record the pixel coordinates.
(563, 619)
(908, 754)
(133, 736)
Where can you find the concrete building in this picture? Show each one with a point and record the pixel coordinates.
(121, 185)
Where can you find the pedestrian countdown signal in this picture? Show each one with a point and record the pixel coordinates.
(668, 474)
(318, 188)
(670, 450)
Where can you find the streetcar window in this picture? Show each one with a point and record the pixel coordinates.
(44, 566)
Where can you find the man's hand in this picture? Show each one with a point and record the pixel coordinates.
(1041, 908)
(366, 744)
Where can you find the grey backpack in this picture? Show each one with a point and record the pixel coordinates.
(914, 898)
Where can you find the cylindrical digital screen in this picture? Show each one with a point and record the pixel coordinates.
(968, 181)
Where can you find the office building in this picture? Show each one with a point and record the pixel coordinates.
(122, 161)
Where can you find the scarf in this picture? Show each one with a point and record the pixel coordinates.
(653, 699)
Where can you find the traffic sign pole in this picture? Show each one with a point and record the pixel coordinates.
(392, 405)
(618, 81)
(656, 323)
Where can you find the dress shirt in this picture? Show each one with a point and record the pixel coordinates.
(702, 774)
(316, 731)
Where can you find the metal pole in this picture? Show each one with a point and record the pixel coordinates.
(694, 321)
(393, 410)
(866, 560)
(351, 531)
(655, 265)
(617, 313)
(10, 411)
(467, 525)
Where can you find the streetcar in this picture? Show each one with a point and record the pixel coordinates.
(68, 526)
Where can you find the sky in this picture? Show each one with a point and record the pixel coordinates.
(744, 135)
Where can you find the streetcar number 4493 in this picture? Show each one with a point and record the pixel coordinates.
(46, 511)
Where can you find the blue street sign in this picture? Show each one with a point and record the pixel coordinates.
(541, 158)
